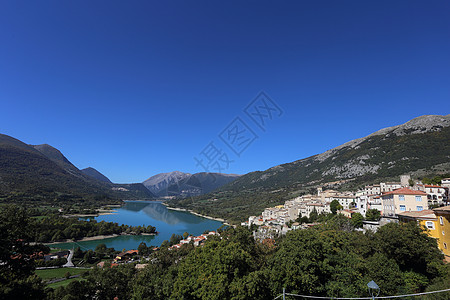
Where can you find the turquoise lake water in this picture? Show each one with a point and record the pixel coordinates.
(153, 213)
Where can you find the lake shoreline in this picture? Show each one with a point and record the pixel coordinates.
(96, 237)
(194, 213)
(102, 213)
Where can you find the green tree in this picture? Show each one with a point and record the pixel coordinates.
(313, 216)
(16, 268)
(143, 249)
(222, 269)
(357, 220)
(411, 247)
(175, 238)
(101, 248)
(373, 214)
(335, 206)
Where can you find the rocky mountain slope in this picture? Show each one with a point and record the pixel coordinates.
(159, 183)
(200, 183)
(181, 184)
(421, 144)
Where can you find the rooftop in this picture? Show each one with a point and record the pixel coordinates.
(405, 191)
(445, 209)
(424, 214)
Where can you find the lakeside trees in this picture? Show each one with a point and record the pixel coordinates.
(57, 228)
(330, 259)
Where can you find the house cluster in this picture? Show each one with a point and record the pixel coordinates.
(195, 240)
(391, 198)
(127, 255)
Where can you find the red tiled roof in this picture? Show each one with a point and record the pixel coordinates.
(433, 186)
(405, 191)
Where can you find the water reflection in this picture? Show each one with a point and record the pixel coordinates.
(167, 222)
(159, 212)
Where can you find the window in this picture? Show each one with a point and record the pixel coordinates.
(401, 197)
(419, 208)
(445, 245)
(429, 224)
(441, 220)
(402, 208)
(418, 198)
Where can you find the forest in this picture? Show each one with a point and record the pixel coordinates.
(331, 259)
(56, 228)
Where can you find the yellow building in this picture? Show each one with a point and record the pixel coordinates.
(443, 226)
(426, 218)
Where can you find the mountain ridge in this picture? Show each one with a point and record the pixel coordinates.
(92, 172)
(419, 145)
(179, 184)
(42, 172)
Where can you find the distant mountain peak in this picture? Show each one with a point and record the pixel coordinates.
(159, 183)
(91, 172)
(177, 183)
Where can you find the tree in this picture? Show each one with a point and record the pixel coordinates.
(185, 235)
(165, 244)
(101, 248)
(313, 216)
(16, 268)
(357, 220)
(143, 249)
(335, 206)
(373, 214)
(411, 247)
(175, 238)
(222, 269)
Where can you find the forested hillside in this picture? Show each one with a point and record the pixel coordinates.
(42, 173)
(419, 147)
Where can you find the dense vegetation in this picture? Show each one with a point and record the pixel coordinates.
(330, 259)
(57, 228)
(47, 225)
(394, 155)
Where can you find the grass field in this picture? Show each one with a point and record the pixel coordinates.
(48, 274)
(63, 283)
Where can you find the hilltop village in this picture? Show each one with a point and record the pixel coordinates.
(386, 202)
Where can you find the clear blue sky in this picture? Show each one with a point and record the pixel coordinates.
(135, 88)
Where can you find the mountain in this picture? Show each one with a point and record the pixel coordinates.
(56, 156)
(185, 185)
(159, 183)
(95, 174)
(30, 173)
(418, 147)
(200, 183)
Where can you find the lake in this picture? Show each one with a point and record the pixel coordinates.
(134, 213)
